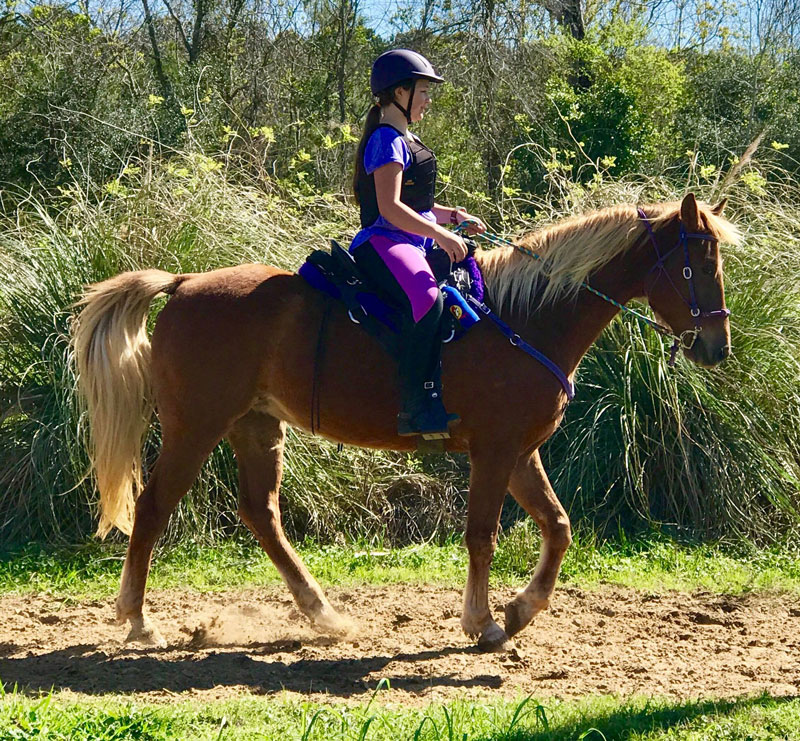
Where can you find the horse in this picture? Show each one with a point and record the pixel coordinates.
(234, 354)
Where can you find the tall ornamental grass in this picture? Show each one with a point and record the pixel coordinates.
(712, 453)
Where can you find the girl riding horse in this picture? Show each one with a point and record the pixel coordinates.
(395, 183)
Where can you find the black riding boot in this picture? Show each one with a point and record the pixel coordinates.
(419, 355)
(424, 413)
(420, 366)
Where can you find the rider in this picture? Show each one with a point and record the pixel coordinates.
(394, 183)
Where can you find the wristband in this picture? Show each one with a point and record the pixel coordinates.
(454, 214)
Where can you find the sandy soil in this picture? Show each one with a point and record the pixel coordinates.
(225, 644)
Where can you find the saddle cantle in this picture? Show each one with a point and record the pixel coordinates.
(336, 274)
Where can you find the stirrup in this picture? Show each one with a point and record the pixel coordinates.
(407, 428)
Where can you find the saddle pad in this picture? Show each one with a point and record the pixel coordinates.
(336, 274)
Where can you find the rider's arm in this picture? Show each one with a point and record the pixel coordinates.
(388, 182)
(388, 179)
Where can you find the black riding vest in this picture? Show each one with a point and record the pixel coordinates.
(419, 183)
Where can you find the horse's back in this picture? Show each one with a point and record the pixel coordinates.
(222, 333)
(256, 336)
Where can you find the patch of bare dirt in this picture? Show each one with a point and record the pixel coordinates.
(222, 645)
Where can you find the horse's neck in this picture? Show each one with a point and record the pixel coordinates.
(566, 330)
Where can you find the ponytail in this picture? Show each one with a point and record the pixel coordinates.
(385, 98)
(373, 119)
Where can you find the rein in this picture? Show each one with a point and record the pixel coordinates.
(685, 339)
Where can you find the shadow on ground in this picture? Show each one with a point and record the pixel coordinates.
(85, 669)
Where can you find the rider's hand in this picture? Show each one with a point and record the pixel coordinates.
(452, 244)
(476, 226)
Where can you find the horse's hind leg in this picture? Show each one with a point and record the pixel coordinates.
(530, 486)
(173, 474)
(257, 440)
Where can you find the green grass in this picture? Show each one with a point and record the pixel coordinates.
(653, 563)
(591, 719)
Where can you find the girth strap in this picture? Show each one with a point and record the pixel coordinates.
(319, 357)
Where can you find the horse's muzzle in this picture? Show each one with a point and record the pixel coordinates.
(710, 348)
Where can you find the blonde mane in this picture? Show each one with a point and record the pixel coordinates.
(573, 249)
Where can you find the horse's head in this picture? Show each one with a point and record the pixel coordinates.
(684, 287)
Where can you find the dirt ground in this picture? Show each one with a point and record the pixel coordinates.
(225, 644)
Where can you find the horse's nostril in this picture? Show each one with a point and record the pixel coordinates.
(724, 352)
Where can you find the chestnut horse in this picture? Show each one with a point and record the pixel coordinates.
(234, 356)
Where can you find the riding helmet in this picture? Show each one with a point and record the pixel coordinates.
(396, 65)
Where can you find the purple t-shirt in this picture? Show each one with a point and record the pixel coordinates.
(386, 145)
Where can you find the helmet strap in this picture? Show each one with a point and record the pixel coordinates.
(407, 109)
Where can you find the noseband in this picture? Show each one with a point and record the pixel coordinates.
(687, 338)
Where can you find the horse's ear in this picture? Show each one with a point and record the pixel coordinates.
(719, 208)
(689, 215)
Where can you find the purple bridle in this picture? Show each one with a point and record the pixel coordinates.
(687, 338)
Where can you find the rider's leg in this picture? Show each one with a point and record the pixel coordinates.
(403, 273)
(401, 270)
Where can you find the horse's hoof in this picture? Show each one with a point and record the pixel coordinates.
(515, 621)
(146, 638)
(147, 634)
(519, 613)
(494, 639)
(332, 623)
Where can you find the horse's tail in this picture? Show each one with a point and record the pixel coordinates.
(112, 353)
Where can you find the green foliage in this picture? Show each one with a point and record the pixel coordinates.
(68, 106)
(652, 562)
(620, 98)
(731, 97)
(84, 94)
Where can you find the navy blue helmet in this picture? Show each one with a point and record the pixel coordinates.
(397, 65)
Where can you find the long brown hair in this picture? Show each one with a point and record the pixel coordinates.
(385, 98)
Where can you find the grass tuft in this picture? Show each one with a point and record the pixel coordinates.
(760, 718)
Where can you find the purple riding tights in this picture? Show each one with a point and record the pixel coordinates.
(410, 269)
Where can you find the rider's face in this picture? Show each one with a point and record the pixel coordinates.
(421, 102)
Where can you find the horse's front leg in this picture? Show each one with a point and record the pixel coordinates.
(530, 486)
(489, 477)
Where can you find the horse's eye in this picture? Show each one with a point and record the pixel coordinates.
(710, 268)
